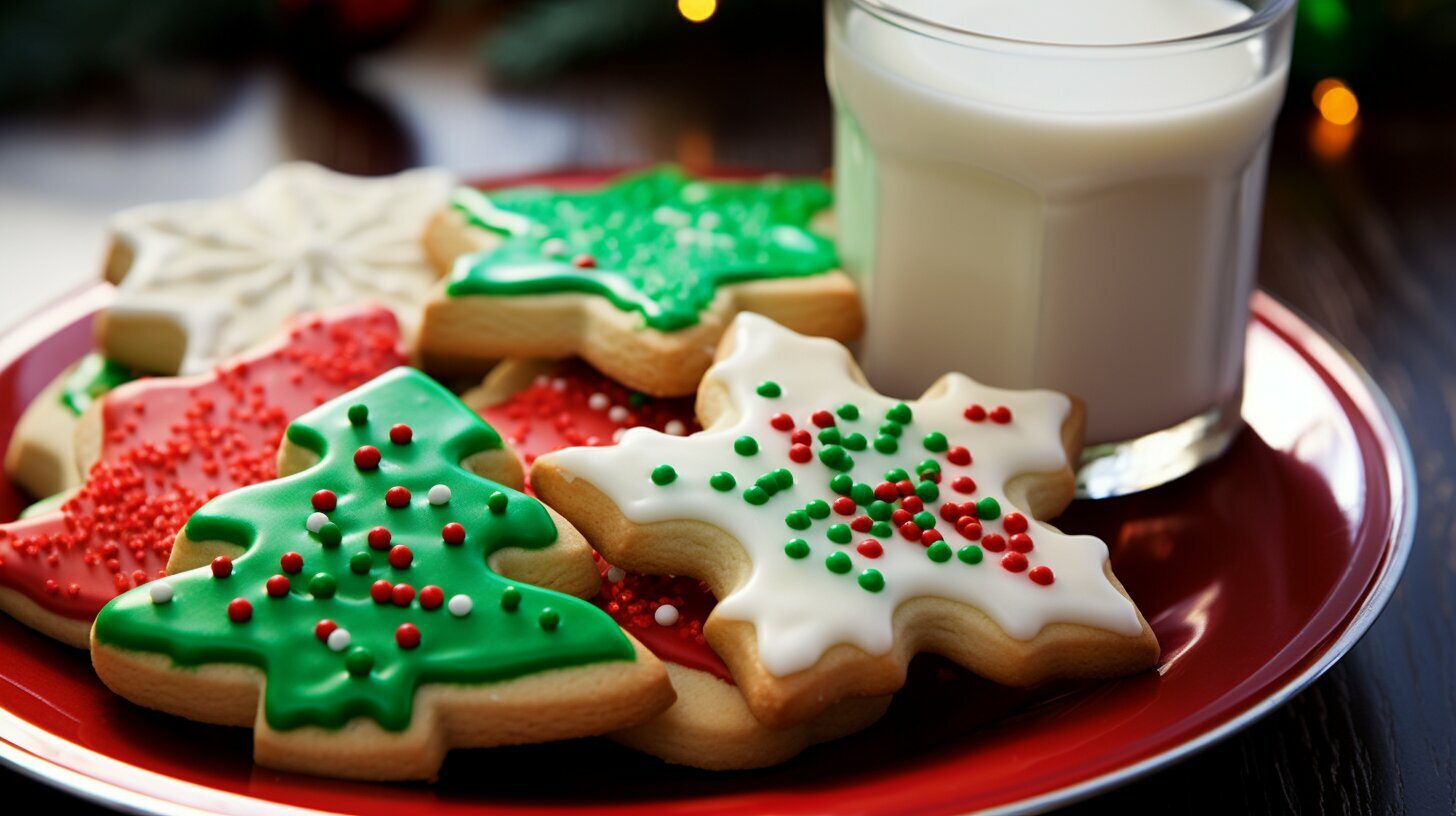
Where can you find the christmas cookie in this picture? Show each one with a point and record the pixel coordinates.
(158, 448)
(546, 405)
(638, 277)
(359, 629)
(200, 281)
(41, 458)
(843, 531)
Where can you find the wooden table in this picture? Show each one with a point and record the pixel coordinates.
(1363, 243)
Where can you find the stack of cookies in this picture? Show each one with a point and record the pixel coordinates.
(382, 467)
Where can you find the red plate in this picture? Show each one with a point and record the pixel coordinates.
(1257, 573)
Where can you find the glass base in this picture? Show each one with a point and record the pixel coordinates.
(1118, 468)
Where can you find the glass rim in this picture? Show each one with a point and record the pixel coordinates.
(888, 11)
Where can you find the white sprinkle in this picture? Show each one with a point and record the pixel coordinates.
(439, 494)
(666, 615)
(460, 605)
(339, 639)
(710, 220)
(617, 414)
(161, 592)
(675, 427)
(598, 401)
(558, 384)
(617, 434)
(541, 381)
(615, 574)
(316, 521)
(551, 247)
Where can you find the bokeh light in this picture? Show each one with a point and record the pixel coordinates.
(1337, 104)
(697, 11)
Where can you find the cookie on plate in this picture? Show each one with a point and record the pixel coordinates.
(358, 625)
(543, 406)
(843, 531)
(200, 281)
(156, 449)
(639, 277)
(41, 457)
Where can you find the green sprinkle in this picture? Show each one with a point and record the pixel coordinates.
(783, 479)
(988, 509)
(755, 495)
(798, 520)
(839, 533)
(927, 490)
(939, 552)
(549, 619)
(797, 548)
(871, 580)
(842, 484)
(924, 519)
(770, 389)
(360, 563)
(886, 444)
(838, 562)
(862, 494)
(935, 442)
(510, 599)
(817, 509)
(894, 475)
(881, 529)
(358, 415)
(833, 456)
(636, 399)
(900, 413)
(330, 535)
(322, 586)
(497, 501)
(848, 411)
(359, 660)
(855, 441)
(927, 466)
(830, 436)
(768, 483)
(663, 475)
(891, 429)
(745, 446)
(971, 554)
(879, 511)
(722, 481)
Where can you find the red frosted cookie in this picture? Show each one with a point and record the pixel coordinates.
(542, 406)
(162, 447)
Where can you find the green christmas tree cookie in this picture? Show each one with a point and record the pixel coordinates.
(364, 596)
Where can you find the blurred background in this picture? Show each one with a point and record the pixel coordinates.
(108, 103)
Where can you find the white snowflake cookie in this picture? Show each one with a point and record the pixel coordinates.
(200, 281)
(843, 531)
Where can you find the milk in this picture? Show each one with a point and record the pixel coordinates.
(1033, 215)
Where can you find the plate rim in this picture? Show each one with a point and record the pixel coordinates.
(1289, 324)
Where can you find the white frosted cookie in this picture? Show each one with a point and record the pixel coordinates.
(199, 281)
(844, 531)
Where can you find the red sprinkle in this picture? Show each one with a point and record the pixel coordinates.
(781, 422)
(401, 434)
(323, 629)
(1001, 415)
(958, 455)
(1014, 523)
(801, 437)
(886, 492)
(402, 594)
(800, 453)
(325, 501)
(900, 516)
(905, 487)
(1021, 542)
(277, 586)
(861, 524)
(222, 566)
(844, 506)
(400, 556)
(913, 504)
(930, 537)
(1042, 575)
(584, 261)
(823, 419)
(379, 538)
(870, 548)
(994, 542)
(910, 530)
(431, 597)
(969, 528)
(291, 562)
(453, 533)
(381, 591)
(975, 413)
(952, 512)
(397, 497)
(963, 484)
(407, 636)
(1013, 562)
(239, 610)
(366, 458)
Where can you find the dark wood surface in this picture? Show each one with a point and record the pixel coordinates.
(1363, 243)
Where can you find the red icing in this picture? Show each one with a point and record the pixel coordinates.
(169, 444)
(555, 412)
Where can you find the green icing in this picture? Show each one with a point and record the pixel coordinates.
(93, 376)
(509, 631)
(662, 242)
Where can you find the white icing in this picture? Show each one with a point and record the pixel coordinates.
(460, 605)
(228, 271)
(799, 608)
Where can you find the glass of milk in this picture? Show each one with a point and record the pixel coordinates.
(1061, 194)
